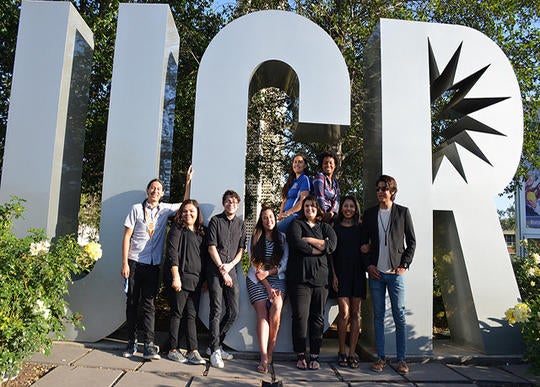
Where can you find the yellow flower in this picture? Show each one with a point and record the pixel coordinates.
(522, 312)
(509, 316)
(531, 272)
(536, 257)
(93, 249)
(533, 283)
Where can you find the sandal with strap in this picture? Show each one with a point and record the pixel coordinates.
(301, 361)
(262, 368)
(314, 363)
(342, 360)
(353, 361)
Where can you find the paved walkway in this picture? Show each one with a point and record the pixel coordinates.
(101, 364)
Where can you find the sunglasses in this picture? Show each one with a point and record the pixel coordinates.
(381, 189)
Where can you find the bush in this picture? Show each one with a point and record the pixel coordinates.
(34, 277)
(527, 312)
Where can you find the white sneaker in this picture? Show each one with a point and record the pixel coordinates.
(226, 355)
(216, 360)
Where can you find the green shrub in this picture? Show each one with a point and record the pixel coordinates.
(527, 312)
(34, 277)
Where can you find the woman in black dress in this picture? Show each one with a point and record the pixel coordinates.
(181, 275)
(310, 242)
(266, 282)
(349, 278)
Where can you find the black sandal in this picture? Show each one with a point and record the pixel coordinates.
(314, 363)
(353, 361)
(301, 361)
(342, 360)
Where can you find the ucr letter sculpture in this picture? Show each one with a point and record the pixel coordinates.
(448, 182)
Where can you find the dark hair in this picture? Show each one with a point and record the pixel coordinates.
(153, 181)
(313, 198)
(258, 245)
(292, 175)
(391, 184)
(198, 226)
(230, 193)
(356, 217)
(328, 153)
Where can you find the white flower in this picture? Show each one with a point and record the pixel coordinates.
(536, 257)
(39, 248)
(531, 272)
(40, 308)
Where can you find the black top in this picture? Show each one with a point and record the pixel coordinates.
(303, 267)
(229, 236)
(347, 257)
(188, 251)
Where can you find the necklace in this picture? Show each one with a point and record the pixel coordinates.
(385, 229)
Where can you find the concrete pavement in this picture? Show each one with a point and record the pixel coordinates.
(101, 364)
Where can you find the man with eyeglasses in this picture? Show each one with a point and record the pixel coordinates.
(226, 243)
(388, 229)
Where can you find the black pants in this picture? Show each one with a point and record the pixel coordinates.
(307, 304)
(185, 304)
(219, 294)
(143, 286)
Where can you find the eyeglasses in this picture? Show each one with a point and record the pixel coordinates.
(381, 189)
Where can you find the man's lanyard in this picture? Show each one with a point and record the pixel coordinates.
(151, 222)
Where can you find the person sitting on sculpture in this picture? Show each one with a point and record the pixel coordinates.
(326, 187)
(296, 188)
(265, 282)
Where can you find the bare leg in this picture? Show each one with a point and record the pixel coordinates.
(262, 328)
(343, 320)
(355, 324)
(274, 322)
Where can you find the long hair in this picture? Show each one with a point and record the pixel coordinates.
(258, 245)
(198, 226)
(292, 175)
(313, 198)
(356, 217)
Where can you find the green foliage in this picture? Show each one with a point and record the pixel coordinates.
(527, 313)
(34, 277)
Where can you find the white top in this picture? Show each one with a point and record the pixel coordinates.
(148, 238)
(383, 264)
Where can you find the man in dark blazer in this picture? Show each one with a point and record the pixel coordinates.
(388, 229)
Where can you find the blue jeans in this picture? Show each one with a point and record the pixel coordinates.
(396, 291)
(284, 224)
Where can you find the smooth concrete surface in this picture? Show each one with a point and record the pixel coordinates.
(101, 364)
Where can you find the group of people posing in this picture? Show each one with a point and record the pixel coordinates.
(317, 244)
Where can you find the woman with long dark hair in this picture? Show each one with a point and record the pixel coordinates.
(349, 278)
(294, 191)
(310, 242)
(186, 249)
(266, 282)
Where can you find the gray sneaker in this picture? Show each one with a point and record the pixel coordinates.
(176, 356)
(130, 349)
(216, 360)
(151, 352)
(194, 357)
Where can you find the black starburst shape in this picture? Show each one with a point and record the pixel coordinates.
(450, 111)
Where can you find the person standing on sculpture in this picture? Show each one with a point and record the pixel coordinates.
(226, 243)
(388, 229)
(326, 187)
(296, 188)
